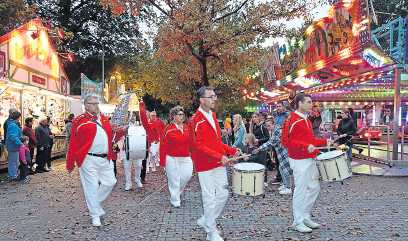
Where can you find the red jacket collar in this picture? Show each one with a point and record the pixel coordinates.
(200, 115)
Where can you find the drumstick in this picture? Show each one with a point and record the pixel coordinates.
(325, 147)
(234, 159)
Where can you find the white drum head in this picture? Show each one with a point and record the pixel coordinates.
(329, 155)
(249, 166)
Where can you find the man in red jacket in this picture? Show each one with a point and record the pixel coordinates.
(90, 149)
(157, 127)
(209, 155)
(301, 145)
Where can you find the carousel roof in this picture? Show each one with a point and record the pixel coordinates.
(338, 59)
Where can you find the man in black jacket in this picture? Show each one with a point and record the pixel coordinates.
(347, 129)
(42, 133)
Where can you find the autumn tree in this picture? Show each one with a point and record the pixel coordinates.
(90, 30)
(210, 31)
(203, 42)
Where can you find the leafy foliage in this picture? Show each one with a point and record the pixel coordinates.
(13, 14)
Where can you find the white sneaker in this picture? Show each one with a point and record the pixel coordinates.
(309, 223)
(281, 187)
(139, 184)
(128, 187)
(265, 184)
(302, 228)
(214, 236)
(47, 169)
(285, 191)
(177, 205)
(96, 222)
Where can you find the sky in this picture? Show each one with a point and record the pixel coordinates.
(318, 13)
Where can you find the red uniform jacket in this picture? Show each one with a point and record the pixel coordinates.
(300, 137)
(208, 148)
(82, 135)
(145, 123)
(157, 128)
(175, 143)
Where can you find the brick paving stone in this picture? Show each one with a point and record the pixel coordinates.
(52, 207)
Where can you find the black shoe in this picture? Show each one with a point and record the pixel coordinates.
(360, 150)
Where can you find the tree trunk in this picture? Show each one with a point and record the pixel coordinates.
(204, 75)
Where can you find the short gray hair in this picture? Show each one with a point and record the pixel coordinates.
(175, 110)
(90, 96)
(12, 110)
(202, 90)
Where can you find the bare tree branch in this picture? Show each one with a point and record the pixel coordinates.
(232, 12)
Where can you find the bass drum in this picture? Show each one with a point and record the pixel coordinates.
(136, 142)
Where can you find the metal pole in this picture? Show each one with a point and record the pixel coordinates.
(388, 143)
(103, 68)
(369, 145)
(397, 105)
(402, 141)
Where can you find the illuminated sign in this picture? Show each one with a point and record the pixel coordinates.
(373, 59)
(307, 82)
(38, 80)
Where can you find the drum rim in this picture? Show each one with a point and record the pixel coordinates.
(340, 153)
(249, 171)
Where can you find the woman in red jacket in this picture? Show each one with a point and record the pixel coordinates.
(175, 147)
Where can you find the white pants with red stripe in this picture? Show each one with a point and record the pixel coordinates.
(214, 192)
(179, 171)
(307, 188)
(97, 180)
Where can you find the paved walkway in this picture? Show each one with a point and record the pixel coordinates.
(52, 207)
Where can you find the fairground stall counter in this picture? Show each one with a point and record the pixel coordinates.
(341, 63)
(33, 81)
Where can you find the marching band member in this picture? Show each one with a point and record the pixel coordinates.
(90, 150)
(150, 135)
(210, 157)
(134, 154)
(298, 138)
(156, 126)
(175, 147)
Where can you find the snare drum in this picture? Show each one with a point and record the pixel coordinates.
(248, 179)
(333, 166)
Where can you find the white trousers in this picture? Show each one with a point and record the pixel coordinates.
(214, 193)
(153, 159)
(97, 180)
(307, 188)
(127, 166)
(179, 171)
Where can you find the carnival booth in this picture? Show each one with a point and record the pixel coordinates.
(33, 80)
(342, 63)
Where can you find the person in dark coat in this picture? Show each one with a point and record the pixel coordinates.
(347, 129)
(259, 129)
(42, 134)
(51, 143)
(32, 141)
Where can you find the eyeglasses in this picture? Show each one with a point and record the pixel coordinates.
(95, 103)
(180, 114)
(210, 97)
